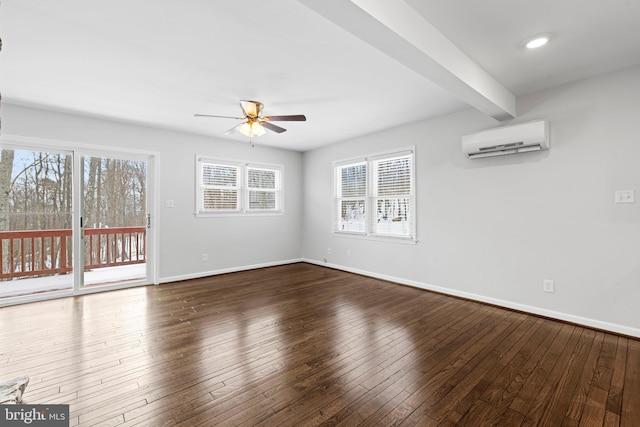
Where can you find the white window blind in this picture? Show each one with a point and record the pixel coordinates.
(375, 196)
(263, 189)
(230, 188)
(352, 192)
(220, 187)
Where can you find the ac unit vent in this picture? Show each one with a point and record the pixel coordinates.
(502, 147)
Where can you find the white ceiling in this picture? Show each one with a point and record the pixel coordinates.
(157, 62)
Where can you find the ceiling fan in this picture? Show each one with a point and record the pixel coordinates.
(254, 123)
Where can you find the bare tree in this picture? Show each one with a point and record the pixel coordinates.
(6, 167)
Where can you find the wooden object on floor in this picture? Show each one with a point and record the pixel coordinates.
(301, 344)
(11, 391)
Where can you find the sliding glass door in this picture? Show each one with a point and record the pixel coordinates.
(61, 209)
(114, 220)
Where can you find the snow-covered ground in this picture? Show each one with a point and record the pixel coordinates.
(99, 276)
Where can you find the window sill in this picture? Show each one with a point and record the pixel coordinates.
(236, 214)
(376, 237)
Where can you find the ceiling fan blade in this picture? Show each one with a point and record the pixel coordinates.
(233, 129)
(273, 127)
(251, 108)
(291, 118)
(219, 117)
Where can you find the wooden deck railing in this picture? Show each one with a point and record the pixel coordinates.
(44, 252)
(107, 247)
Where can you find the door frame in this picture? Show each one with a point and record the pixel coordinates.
(78, 150)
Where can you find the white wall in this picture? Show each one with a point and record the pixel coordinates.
(231, 242)
(490, 229)
(494, 228)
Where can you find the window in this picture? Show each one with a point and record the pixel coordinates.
(352, 196)
(263, 186)
(375, 196)
(220, 186)
(237, 188)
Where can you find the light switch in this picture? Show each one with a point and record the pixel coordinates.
(625, 196)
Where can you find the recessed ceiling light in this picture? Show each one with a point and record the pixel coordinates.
(537, 41)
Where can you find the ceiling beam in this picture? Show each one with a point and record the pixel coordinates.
(399, 31)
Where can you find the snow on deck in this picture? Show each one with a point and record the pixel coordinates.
(99, 276)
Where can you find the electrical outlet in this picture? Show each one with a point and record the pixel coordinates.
(328, 251)
(625, 196)
(169, 204)
(548, 286)
(348, 253)
(205, 257)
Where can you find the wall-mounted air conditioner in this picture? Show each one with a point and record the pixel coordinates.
(513, 139)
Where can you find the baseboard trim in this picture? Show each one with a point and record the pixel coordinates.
(227, 270)
(570, 318)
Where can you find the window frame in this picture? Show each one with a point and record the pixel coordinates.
(243, 197)
(202, 187)
(371, 197)
(339, 197)
(277, 190)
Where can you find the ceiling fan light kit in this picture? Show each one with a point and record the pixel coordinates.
(252, 129)
(254, 124)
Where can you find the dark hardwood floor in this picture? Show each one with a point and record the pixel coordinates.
(304, 345)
